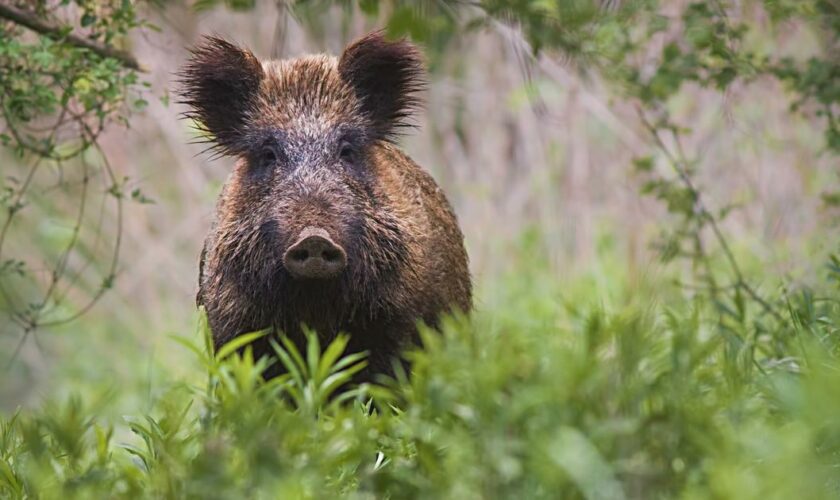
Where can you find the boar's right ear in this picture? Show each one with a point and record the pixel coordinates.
(386, 76)
(219, 84)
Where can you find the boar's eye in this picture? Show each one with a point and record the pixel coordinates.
(347, 151)
(268, 156)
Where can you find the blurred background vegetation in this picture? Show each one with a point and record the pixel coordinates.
(650, 195)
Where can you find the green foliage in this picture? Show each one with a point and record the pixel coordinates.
(57, 97)
(712, 46)
(649, 52)
(712, 388)
(542, 397)
(43, 78)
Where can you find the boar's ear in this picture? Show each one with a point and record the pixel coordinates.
(386, 76)
(219, 84)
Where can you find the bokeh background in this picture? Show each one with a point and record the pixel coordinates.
(534, 153)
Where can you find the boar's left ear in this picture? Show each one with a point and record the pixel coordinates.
(386, 76)
(219, 83)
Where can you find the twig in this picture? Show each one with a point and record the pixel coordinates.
(112, 269)
(677, 163)
(32, 22)
(18, 347)
(590, 101)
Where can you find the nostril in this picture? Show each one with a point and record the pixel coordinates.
(300, 254)
(331, 255)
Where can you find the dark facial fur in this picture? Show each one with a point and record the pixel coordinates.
(312, 137)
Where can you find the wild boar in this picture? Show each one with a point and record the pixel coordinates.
(324, 221)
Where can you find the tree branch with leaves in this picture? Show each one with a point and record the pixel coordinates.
(63, 82)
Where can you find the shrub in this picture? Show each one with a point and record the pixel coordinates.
(543, 396)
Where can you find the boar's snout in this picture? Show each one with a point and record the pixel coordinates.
(315, 255)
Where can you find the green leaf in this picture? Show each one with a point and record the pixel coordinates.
(87, 19)
(337, 379)
(583, 463)
(313, 352)
(9, 479)
(369, 7)
(238, 342)
(291, 365)
(330, 356)
(643, 164)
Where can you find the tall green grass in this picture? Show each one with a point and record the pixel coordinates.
(552, 389)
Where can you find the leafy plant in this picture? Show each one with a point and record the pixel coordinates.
(543, 397)
(61, 85)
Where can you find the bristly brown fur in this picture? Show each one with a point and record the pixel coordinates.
(387, 77)
(220, 83)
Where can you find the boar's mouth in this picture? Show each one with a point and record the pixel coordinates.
(315, 256)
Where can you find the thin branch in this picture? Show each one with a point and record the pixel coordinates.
(31, 21)
(61, 265)
(677, 162)
(18, 347)
(112, 270)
